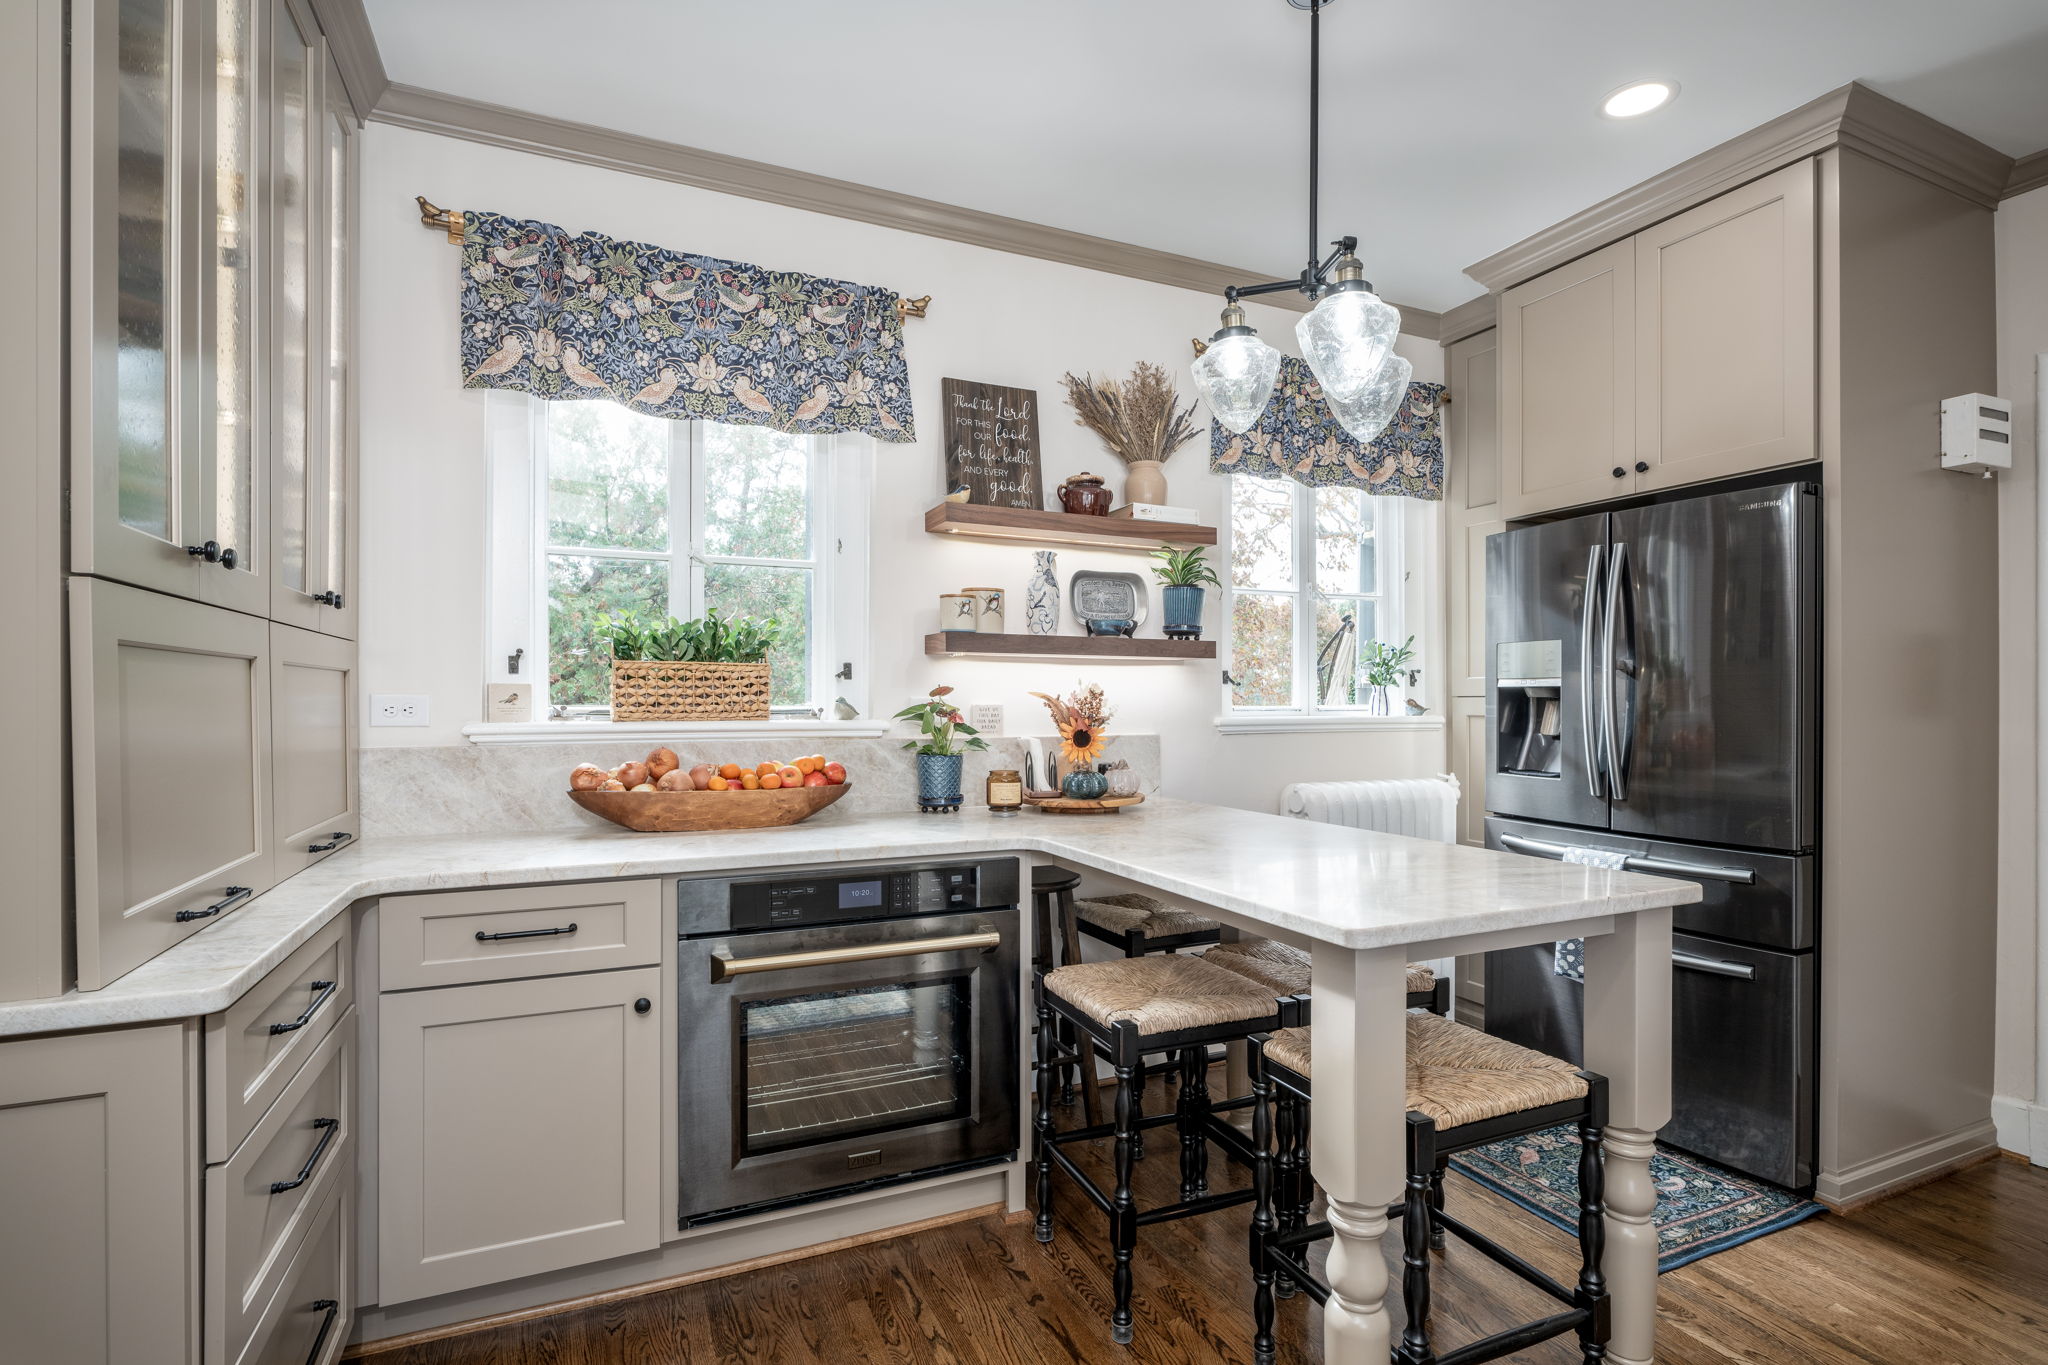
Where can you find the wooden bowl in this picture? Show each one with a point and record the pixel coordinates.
(672, 812)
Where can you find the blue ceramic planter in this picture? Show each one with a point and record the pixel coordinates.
(938, 782)
(1183, 608)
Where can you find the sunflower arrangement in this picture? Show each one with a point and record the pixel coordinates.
(1081, 717)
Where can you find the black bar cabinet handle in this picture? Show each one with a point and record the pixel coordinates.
(333, 1311)
(323, 991)
(328, 1127)
(235, 894)
(482, 937)
(341, 836)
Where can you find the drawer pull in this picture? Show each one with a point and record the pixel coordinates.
(329, 1128)
(234, 895)
(341, 836)
(333, 1311)
(322, 992)
(482, 937)
(1693, 962)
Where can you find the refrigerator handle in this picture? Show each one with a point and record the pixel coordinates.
(1617, 580)
(1588, 613)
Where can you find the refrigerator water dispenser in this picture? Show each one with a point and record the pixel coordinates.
(1529, 686)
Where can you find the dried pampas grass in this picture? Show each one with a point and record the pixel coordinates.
(1136, 417)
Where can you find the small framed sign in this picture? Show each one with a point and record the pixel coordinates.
(992, 444)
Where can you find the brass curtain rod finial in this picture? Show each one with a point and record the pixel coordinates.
(913, 308)
(448, 220)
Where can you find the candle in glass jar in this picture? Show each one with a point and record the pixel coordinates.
(1005, 791)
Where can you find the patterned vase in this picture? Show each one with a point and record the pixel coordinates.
(1183, 606)
(938, 782)
(1042, 596)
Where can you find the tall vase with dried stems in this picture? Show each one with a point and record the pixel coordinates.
(1139, 420)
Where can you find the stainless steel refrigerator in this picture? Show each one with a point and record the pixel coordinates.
(1652, 689)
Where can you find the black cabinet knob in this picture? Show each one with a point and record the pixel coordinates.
(210, 551)
(642, 1005)
(330, 597)
(1620, 473)
(228, 557)
(1642, 466)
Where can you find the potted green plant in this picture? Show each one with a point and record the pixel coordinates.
(945, 740)
(1181, 574)
(711, 668)
(1384, 664)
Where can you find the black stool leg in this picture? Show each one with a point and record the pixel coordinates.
(1142, 1074)
(1042, 1229)
(1304, 1192)
(1123, 1211)
(1192, 1111)
(1436, 1204)
(1264, 1225)
(1415, 1223)
(1593, 1222)
(1287, 1112)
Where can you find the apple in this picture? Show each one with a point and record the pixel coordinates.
(817, 780)
(835, 773)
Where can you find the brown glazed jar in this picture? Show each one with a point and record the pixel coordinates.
(1085, 495)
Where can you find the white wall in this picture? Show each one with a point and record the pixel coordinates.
(995, 317)
(2020, 1078)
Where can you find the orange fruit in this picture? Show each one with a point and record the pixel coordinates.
(770, 781)
(750, 781)
(803, 767)
(717, 784)
(767, 768)
(729, 771)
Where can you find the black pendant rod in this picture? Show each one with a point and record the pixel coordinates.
(1315, 125)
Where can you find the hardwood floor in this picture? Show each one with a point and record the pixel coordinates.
(1950, 1273)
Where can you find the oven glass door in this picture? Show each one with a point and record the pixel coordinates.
(820, 1066)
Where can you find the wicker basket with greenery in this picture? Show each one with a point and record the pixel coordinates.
(707, 669)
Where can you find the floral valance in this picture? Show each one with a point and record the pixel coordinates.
(579, 315)
(1297, 436)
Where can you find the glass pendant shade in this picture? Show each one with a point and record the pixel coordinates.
(1367, 415)
(1345, 338)
(1235, 377)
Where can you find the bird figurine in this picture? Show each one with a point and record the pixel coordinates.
(1416, 708)
(509, 353)
(573, 366)
(658, 392)
(958, 493)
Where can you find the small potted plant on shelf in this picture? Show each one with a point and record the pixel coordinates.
(1384, 664)
(1181, 574)
(940, 753)
(711, 668)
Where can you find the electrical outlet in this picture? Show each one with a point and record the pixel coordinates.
(398, 708)
(986, 716)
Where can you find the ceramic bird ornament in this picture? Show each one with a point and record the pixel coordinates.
(958, 493)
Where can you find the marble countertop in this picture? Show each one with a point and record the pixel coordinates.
(1327, 882)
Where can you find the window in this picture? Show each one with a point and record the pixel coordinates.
(1314, 574)
(597, 509)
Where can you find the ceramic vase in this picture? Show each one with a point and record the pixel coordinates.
(1042, 596)
(1146, 482)
(957, 611)
(1376, 700)
(938, 782)
(1182, 604)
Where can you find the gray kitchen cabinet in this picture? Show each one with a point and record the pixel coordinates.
(313, 746)
(1567, 384)
(1472, 500)
(334, 561)
(170, 737)
(1725, 326)
(518, 1129)
(99, 1169)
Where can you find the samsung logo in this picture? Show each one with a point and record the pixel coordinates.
(1759, 506)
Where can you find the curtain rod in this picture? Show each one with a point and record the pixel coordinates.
(450, 221)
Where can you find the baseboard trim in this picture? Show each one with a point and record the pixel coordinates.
(2022, 1127)
(1869, 1181)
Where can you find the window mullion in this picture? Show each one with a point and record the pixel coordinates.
(685, 496)
(1305, 588)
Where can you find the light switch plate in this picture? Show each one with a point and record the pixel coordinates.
(508, 702)
(399, 708)
(986, 716)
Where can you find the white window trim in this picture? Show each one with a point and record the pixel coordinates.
(515, 582)
(1403, 610)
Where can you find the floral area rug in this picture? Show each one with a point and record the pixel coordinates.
(1701, 1208)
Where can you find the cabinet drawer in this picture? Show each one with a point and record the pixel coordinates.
(255, 1046)
(458, 937)
(260, 1204)
(307, 1320)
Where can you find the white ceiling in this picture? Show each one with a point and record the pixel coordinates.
(1451, 128)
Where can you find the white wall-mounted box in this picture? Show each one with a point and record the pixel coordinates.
(1976, 434)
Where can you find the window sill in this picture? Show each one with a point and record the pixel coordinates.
(1295, 724)
(557, 731)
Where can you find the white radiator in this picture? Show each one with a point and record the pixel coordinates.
(1420, 807)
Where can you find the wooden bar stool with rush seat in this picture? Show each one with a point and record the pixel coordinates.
(1465, 1089)
(1128, 1007)
(1052, 913)
(1285, 969)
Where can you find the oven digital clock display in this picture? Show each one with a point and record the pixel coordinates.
(861, 895)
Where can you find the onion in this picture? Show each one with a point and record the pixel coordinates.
(632, 774)
(701, 775)
(674, 780)
(661, 761)
(586, 777)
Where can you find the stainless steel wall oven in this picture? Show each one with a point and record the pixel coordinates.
(843, 1027)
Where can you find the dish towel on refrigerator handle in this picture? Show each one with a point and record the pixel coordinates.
(1569, 956)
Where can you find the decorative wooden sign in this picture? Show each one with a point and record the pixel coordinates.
(992, 443)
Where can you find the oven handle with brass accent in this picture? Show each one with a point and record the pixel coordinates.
(724, 966)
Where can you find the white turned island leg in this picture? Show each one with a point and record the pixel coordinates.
(1628, 1040)
(1355, 1149)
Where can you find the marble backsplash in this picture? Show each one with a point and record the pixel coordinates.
(505, 788)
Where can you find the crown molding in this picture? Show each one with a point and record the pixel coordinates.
(2028, 173)
(1469, 318)
(495, 125)
(355, 52)
(1854, 116)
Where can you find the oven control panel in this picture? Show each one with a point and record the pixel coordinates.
(841, 895)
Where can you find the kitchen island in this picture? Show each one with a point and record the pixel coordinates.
(1364, 903)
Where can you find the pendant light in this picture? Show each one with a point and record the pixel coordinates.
(1347, 338)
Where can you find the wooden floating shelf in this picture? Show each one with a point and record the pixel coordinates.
(1061, 528)
(962, 644)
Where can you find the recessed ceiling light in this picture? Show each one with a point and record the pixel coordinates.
(1638, 97)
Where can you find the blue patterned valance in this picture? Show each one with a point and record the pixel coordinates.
(1298, 437)
(578, 315)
